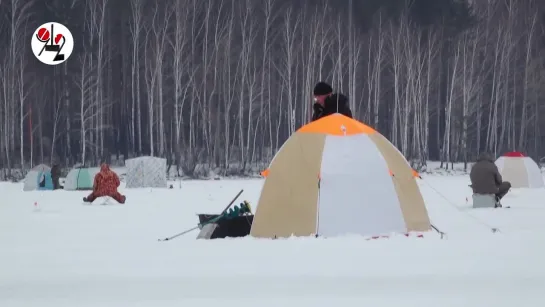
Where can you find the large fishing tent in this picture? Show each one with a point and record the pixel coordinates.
(38, 178)
(338, 176)
(80, 178)
(521, 171)
(146, 172)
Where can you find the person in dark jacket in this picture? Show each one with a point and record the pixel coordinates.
(55, 176)
(327, 103)
(486, 178)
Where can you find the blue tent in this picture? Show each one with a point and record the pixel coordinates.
(44, 181)
(38, 179)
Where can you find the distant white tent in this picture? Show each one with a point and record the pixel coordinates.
(146, 172)
(521, 171)
(31, 178)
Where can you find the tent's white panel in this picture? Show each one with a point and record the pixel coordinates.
(146, 172)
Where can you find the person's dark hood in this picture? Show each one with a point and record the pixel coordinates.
(485, 157)
(322, 88)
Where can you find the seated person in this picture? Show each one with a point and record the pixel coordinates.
(486, 178)
(105, 184)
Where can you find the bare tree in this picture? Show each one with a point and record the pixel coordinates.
(374, 72)
(396, 47)
(99, 89)
(96, 25)
(229, 88)
(89, 107)
(151, 84)
(431, 53)
(527, 60)
(354, 58)
(448, 110)
(20, 14)
(179, 46)
(471, 80)
(5, 80)
(57, 107)
(291, 24)
(159, 27)
(270, 17)
(136, 26)
(23, 93)
(248, 79)
(203, 98)
(190, 148)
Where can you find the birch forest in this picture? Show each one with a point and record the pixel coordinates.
(221, 84)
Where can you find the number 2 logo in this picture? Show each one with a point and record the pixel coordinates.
(52, 43)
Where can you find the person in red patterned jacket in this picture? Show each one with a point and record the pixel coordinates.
(105, 184)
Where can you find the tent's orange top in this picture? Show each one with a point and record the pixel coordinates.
(266, 172)
(336, 124)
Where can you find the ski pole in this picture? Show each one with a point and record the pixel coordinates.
(207, 222)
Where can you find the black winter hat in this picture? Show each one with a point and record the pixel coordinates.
(322, 88)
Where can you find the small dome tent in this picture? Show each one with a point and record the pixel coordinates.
(521, 171)
(81, 178)
(38, 178)
(337, 176)
(146, 172)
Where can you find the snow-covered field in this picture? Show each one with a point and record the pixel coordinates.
(60, 252)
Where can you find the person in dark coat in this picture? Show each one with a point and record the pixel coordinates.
(326, 102)
(55, 176)
(486, 178)
(105, 184)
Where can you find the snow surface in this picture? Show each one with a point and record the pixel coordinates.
(60, 252)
